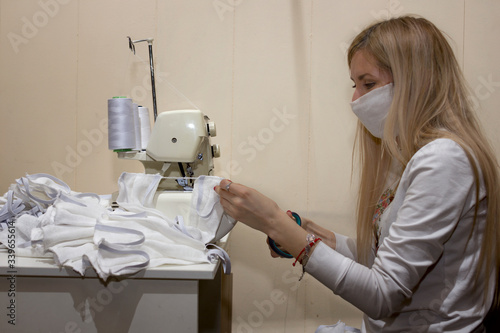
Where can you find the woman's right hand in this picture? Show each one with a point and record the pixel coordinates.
(327, 236)
(271, 251)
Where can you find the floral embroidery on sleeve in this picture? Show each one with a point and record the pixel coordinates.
(383, 203)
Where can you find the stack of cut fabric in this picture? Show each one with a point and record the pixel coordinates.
(81, 230)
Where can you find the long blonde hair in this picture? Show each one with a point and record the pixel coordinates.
(430, 102)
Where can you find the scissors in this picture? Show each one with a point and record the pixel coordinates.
(276, 247)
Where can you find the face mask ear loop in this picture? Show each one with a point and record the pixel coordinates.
(219, 253)
(179, 225)
(51, 192)
(12, 207)
(122, 213)
(35, 211)
(120, 230)
(64, 187)
(9, 204)
(89, 195)
(26, 187)
(18, 190)
(4, 214)
(151, 188)
(68, 199)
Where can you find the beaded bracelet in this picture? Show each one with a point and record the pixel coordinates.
(311, 241)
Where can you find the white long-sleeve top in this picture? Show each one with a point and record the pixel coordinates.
(421, 277)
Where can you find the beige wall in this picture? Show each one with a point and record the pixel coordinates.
(270, 73)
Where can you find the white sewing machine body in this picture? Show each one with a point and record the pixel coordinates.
(179, 149)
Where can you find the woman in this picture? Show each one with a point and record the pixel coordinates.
(425, 258)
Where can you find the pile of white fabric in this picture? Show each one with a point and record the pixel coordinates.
(81, 230)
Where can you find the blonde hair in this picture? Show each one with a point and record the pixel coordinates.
(430, 102)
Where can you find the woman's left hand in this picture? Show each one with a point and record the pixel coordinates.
(257, 211)
(249, 206)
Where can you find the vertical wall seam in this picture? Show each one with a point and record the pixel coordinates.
(233, 70)
(309, 115)
(157, 22)
(309, 129)
(463, 38)
(75, 175)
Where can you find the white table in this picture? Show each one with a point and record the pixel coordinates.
(170, 298)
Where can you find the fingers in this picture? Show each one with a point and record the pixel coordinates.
(223, 190)
(226, 197)
(225, 186)
(231, 194)
(273, 254)
(247, 205)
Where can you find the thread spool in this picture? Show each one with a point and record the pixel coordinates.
(145, 126)
(137, 127)
(121, 129)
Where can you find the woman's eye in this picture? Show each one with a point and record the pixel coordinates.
(368, 85)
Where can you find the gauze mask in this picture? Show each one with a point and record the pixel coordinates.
(372, 109)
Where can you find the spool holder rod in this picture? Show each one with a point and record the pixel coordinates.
(131, 44)
(152, 70)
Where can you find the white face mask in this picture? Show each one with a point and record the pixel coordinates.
(372, 109)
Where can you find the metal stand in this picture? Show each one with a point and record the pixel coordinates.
(131, 45)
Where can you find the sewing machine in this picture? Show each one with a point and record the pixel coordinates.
(179, 149)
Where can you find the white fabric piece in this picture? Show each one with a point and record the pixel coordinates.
(137, 190)
(339, 327)
(67, 229)
(115, 259)
(23, 227)
(207, 220)
(72, 256)
(78, 211)
(161, 236)
(372, 109)
(130, 242)
(207, 214)
(56, 234)
(422, 274)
